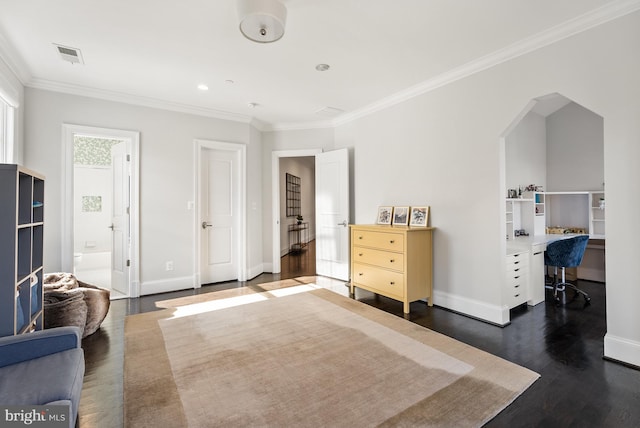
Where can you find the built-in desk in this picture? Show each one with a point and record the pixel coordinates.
(526, 283)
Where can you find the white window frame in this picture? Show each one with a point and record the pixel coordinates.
(6, 132)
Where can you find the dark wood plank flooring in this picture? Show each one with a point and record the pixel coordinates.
(577, 388)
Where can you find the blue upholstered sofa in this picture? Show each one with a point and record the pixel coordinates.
(43, 368)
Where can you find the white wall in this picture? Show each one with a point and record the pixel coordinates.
(166, 177)
(442, 149)
(575, 150)
(91, 232)
(304, 168)
(526, 153)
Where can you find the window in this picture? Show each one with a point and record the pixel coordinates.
(6, 132)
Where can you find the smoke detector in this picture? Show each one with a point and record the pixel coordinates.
(69, 54)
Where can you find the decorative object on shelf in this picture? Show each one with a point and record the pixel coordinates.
(512, 193)
(533, 188)
(385, 214)
(520, 232)
(419, 216)
(299, 218)
(262, 21)
(400, 216)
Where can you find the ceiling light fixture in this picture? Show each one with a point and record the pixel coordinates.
(262, 20)
(203, 87)
(322, 67)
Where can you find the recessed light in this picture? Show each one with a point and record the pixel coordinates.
(253, 105)
(322, 67)
(203, 87)
(229, 81)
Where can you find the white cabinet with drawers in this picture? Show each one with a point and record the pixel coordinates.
(394, 261)
(516, 285)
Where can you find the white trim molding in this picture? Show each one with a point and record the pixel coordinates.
(166, 285)
(275, 199)
(133, 137)
(494, 314)
(241, 150)
(621, 349)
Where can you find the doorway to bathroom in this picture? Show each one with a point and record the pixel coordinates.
(102, 208)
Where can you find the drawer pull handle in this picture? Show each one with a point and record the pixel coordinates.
(516, 270)
(391, 261)
(516, 277)
(359, 237)
(392, 241)
(515, 263)
(360, 254)
(516, 295)
(517, 286)
(360, 274)
(392, 283)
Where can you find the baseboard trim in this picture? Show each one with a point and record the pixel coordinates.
(493, 314)
(166, 285)
(622, 350)
(254, 271)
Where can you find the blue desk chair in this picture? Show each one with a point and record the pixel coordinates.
(566, 253)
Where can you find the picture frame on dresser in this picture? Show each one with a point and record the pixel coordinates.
(385, 215)
(400, 216)
(419, 216)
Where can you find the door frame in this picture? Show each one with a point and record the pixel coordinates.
(69, 131)
(241, 221)
(275, 200)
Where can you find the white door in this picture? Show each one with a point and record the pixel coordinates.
(332, 214)
(120, 219)
(219, 216)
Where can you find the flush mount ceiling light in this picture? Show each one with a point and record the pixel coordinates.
(262, 20)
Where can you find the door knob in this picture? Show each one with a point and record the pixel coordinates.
(112, 227)
(205, 225)
(344, 223)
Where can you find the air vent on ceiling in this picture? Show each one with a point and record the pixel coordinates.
(329, 111)
(72, 55)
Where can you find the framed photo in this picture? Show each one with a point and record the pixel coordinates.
(400, 216)
(419, 216)
(384, 215)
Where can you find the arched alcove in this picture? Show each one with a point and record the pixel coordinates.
(557, 146)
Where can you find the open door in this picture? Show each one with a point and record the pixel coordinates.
(120, 219)
(332, 214)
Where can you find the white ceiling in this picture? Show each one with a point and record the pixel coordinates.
(155, 52)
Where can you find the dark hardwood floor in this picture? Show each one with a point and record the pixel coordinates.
(577, 388)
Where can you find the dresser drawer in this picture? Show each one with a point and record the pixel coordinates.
(385, 259)
(517, 296)
(385, 282)
(382, 240)
(516, 262)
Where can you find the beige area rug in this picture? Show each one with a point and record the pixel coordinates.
(304, 356)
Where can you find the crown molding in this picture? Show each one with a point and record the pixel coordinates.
(297, 126)
(14, 61)
(562, 31)
(136, 100)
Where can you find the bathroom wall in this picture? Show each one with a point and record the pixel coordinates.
(92, 195)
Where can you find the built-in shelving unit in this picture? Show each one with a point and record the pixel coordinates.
(21, 250)
(596, 215)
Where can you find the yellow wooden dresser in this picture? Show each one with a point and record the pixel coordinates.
(394, 261)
